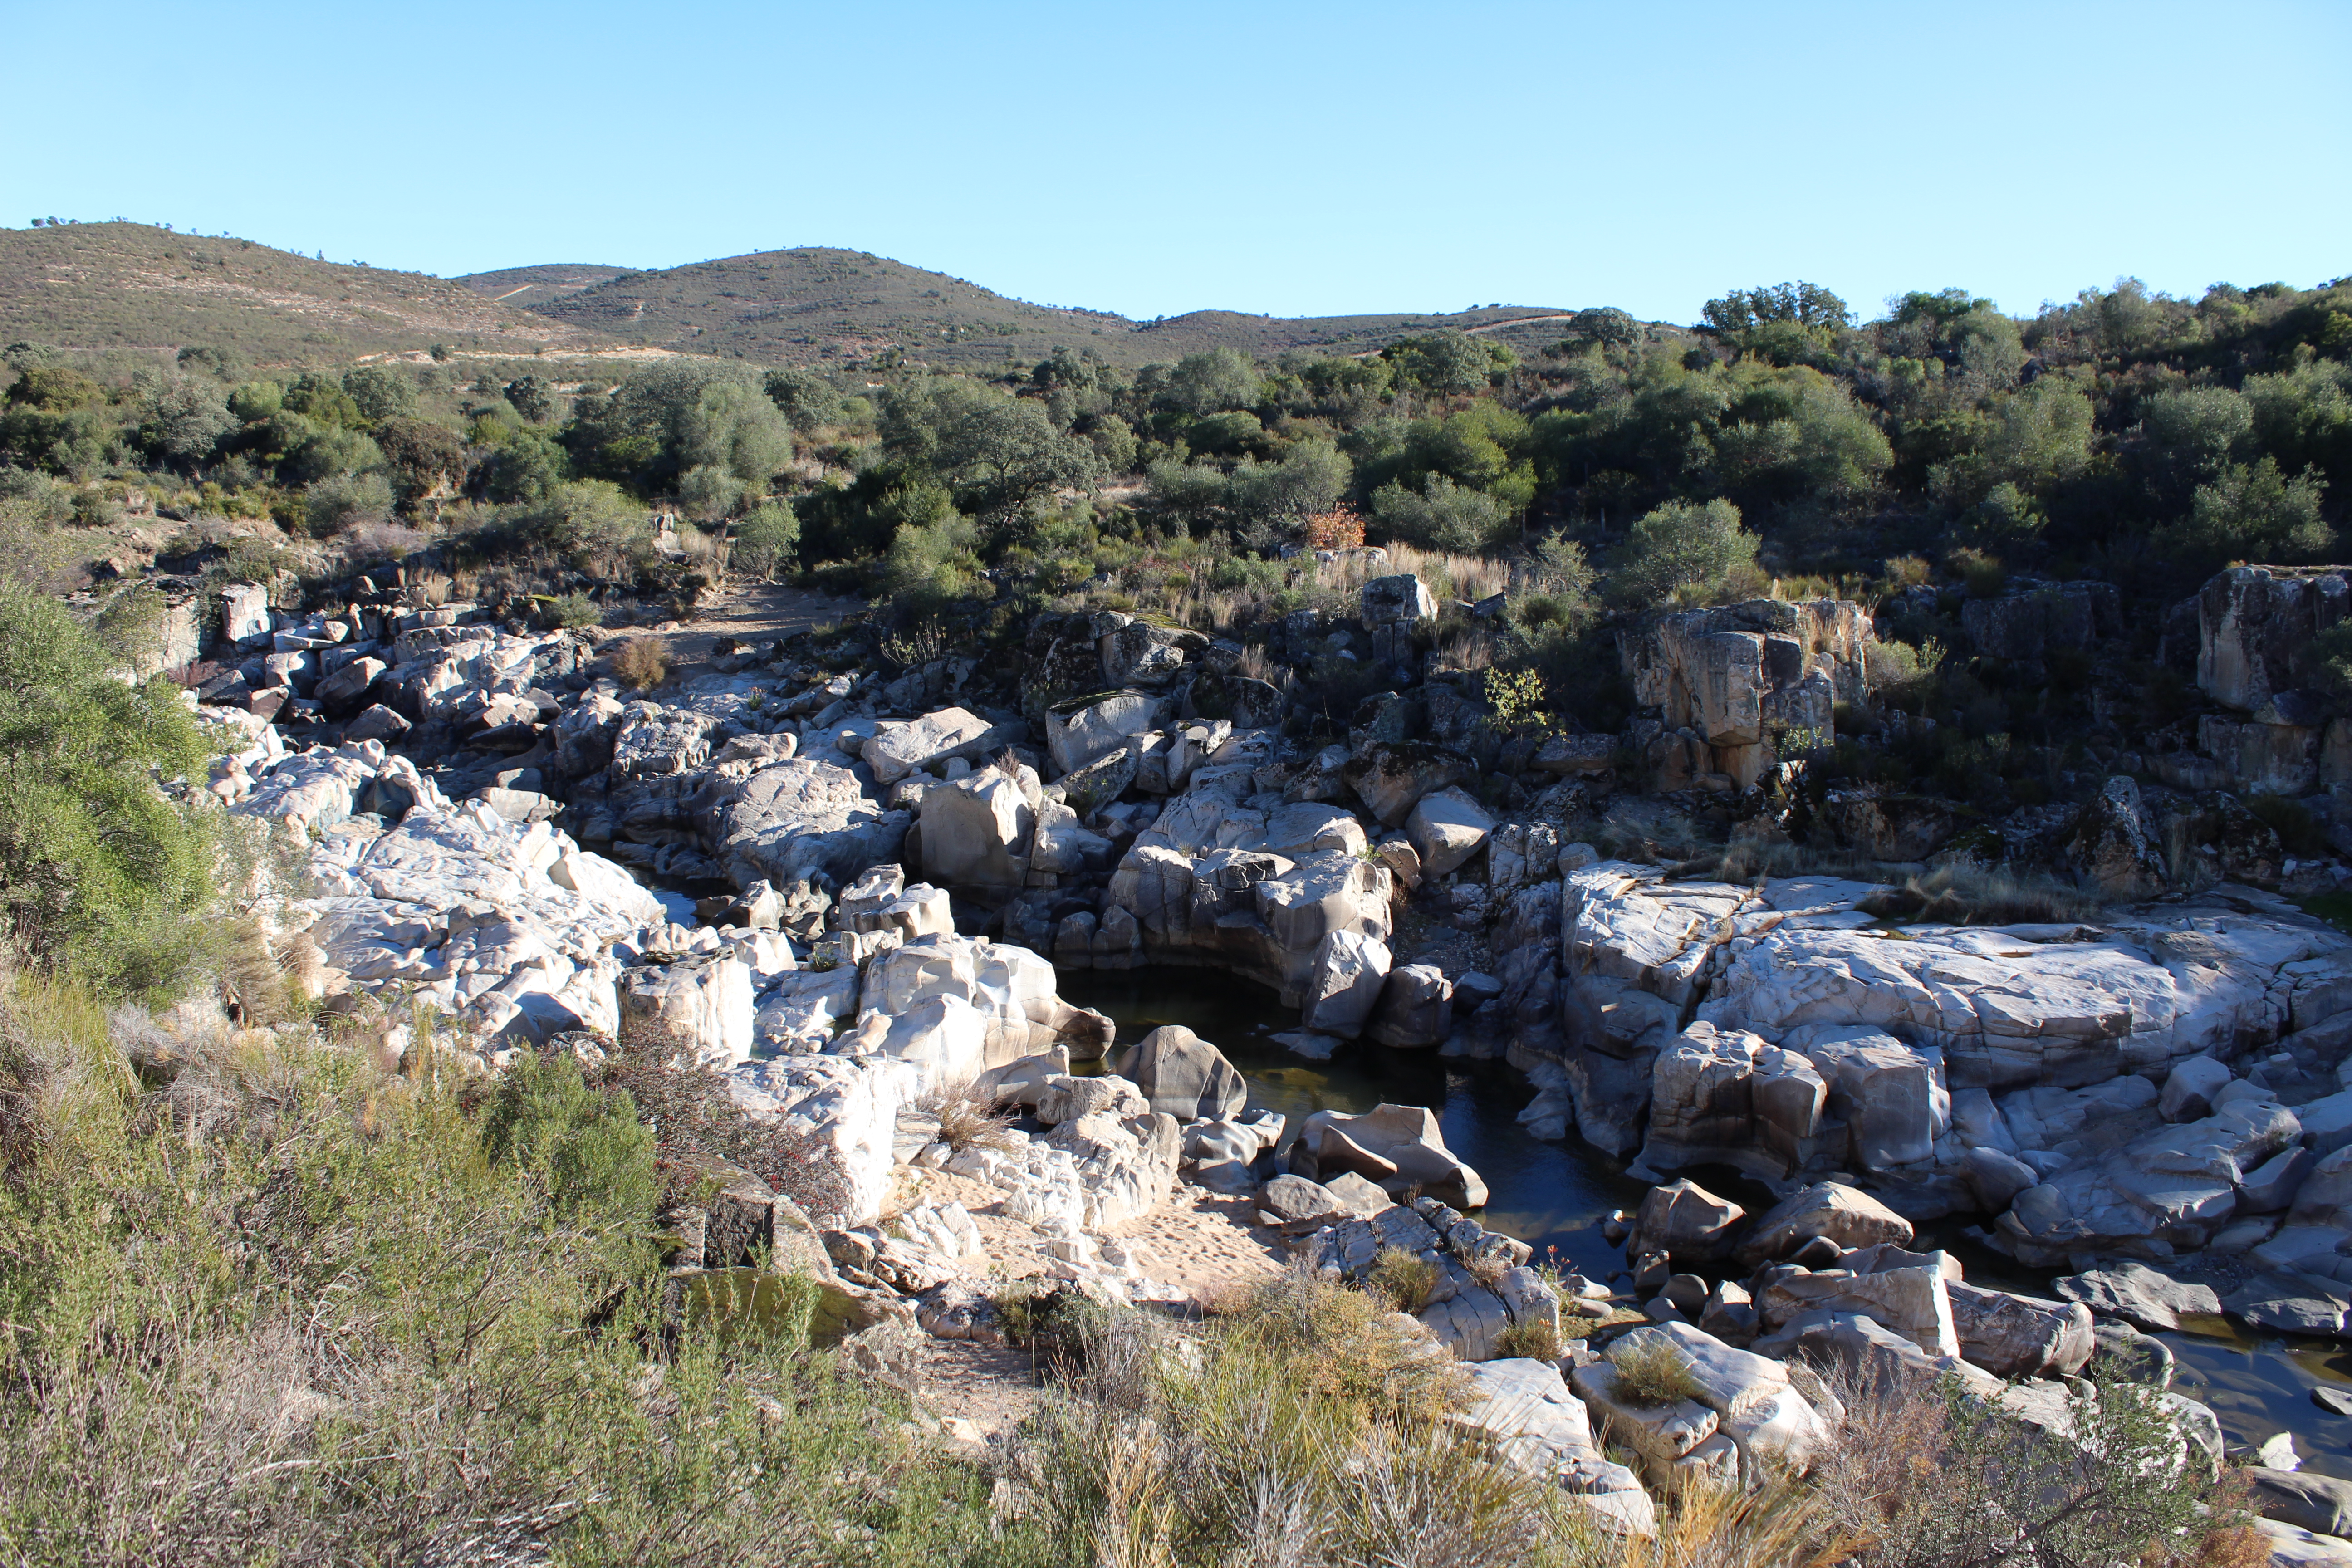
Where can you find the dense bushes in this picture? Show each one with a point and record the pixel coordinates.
(102, 870)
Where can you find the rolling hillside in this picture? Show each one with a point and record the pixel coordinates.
(127, 284)
(812, 304)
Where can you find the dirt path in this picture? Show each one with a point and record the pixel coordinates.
(752, 612)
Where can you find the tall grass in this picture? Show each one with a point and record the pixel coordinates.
(286, 1308)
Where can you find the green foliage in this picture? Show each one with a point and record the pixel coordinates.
(1444, 515)
(1803, 304)
(2252, 514)
(101, 872)
(532, 397)
(999, 453)
(671, 418)
(380, 393)
(1681, 549)
(1211, 383)
(183, 420)
(570, 610)
(765, 539)
(1447, 361)
(583, 1148)
(1403, 1279)
(2299, 831)
(334, 505)
(1516, 697)
(287, 1231)
(420, 457)
(806, 399)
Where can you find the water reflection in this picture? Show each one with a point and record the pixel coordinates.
(1555, 1195)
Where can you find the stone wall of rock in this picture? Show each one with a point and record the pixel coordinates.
(1728, 680)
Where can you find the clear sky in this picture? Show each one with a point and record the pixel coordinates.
(1294, 159)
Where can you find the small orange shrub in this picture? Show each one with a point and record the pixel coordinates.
(1341, 528)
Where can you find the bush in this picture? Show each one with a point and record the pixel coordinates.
(101, 871)
(1683, 551)
(1984, 574)
(1403, 1279)
(261, 1316)
(569, 610)
(640, 664)
(765, 541)
(2299, 832)
(1955, 895)
(1651, 1372)
(1341, 528)
(1443, 515)
(1537, 1338)
(583, 1148)
(331, 505)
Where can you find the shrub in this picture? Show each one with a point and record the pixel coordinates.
(966, 1122)
(1651, 1372)
(584, 1148)
(1443, 515)
(1341, 528)
(341, 501)
(1984, 574)
(102, 870)
(1904, 676)
(1403, 1279)
(568, 610)
(765, 541)
(640, 664)
(1516, 696)
(1684, 550)
(1537, 1338)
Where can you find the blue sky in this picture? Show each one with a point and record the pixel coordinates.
(1287, 158)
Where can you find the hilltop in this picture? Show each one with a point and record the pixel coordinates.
(127, 284)
(811, 304)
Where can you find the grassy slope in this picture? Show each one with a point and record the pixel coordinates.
(523, 287)
(125, 285)
(811, 304)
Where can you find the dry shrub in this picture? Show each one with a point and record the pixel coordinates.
(695, 1118)
(1341, 528)
(640, 663)
(966, 1122)
(1958, 895)
(1258, 665)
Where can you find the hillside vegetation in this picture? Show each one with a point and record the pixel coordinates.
(813, 303)
(129, 285)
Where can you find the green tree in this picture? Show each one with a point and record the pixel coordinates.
(332, 451)
(1802, 304)
(101, 871)
(765, 540)
(593, 522)
(54, 389)
(183, 421)
(224, 364)
(322, 400)
(669, 418)
(1442, 515)
(380, 393)
(422, 458)
(1603, 324)
(1212, 382)
(532, 397)
(255, 401)
(1684, 549)
(1446, 361)
(2251, 513)
(805, 399)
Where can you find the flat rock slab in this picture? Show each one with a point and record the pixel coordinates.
(2142, 1297)
(2288, 1307)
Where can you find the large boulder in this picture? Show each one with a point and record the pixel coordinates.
(1390, 779)
(976, 833)
(1397, 1146)
(2115, 847)
(1446, 828)
(1688, 1224)
(1913, 1301)
(803, 816)
(896, 750)
(1845, 1214)
(2255, 627)
(706, 1006)
(1078, 731)
(1183, 1076)
(1344, 983)
(1416, 1008)
(1401, 600)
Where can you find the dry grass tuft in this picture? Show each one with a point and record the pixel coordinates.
(1956, 895)
(1651, 1372)
(1405, 1282)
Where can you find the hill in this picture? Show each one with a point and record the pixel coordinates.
(523, 287)
(811, 303)
(127, 284)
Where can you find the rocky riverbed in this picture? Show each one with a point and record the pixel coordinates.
(855, 890)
